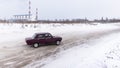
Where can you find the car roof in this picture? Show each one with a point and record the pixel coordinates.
(42, 33)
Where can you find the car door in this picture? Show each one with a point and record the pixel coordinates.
(49, 39)
(41, 39)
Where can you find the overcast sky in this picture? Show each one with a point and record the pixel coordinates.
(62, 9)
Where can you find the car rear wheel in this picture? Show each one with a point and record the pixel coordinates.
(58, 42)
(35, 45)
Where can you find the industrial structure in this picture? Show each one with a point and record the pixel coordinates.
(36, 18)
(22, 17)
(28, 16)
(29, 12)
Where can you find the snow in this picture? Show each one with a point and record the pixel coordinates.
(92, 56)
(99, 49)
(12, 32)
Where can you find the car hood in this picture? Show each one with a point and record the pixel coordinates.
(29, 38)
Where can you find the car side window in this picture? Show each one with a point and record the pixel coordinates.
(41, 36)
(47, 35)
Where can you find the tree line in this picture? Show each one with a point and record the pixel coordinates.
(102, 20)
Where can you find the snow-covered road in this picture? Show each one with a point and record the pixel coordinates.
(103, 52)
(19, 54)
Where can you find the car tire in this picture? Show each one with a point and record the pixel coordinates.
(58, 42)
(35, 45)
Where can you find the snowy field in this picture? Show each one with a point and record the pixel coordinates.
(83, 46)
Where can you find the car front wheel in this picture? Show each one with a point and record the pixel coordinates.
(58, 42)
(35, 45)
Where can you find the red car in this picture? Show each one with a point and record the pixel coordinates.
(43, 38)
